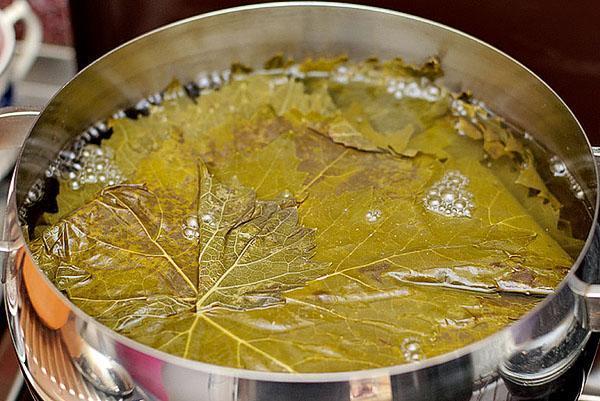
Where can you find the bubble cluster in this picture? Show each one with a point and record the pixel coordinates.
(481, 111)
(559, 169)
(449, 196)
(373, 215)
(93, 165)
(411, 349)
(191, 227)
(213, 80)
(424, 89)
(34, 195)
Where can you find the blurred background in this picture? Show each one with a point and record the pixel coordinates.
(558, 40)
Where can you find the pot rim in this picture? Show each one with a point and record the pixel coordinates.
(328, 376)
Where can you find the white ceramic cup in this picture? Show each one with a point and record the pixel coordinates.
(14, 66)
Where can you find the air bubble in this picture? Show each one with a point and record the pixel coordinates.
(448, 196)
(74, 185)
(413, 347)
(433, 91)
(558, 167)
(189, 233)
(413, 90)
(208, 218)
(192, 222)
(34, 195)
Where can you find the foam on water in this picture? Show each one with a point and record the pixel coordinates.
(449, 196)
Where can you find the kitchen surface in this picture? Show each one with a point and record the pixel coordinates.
(558, 42)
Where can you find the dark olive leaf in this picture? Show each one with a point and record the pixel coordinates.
(323, 63)
(430, 69)
(134, 260)
(250, 251)
(278, 61)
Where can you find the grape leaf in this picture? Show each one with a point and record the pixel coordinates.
(366, 138)
(430, 69)
(250, 251)
(139, 257)
(280, 175)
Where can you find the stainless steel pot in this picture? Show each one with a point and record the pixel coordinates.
(66, 355)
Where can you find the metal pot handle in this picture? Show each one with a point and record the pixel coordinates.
(588, 292)
(15, 124)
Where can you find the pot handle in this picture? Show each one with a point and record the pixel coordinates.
(15, 124)
(590, 293)
(32, 40)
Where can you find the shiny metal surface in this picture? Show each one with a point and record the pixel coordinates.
(98, 369)
(15, 123)
(533, 351)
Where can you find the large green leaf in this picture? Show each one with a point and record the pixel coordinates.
(250, 251)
